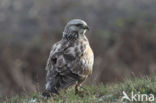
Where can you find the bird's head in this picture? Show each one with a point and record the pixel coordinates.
(77, 26)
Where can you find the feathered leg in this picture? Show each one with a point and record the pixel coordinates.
(78, 85)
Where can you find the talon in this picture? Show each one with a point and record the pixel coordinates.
(80, 93)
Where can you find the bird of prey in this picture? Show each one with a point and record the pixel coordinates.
(71, 59)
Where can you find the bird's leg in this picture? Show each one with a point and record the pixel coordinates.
(77, 88)
(78, 92)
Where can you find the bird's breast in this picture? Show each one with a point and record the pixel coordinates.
(87, 60)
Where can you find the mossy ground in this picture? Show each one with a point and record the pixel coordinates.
(110, 93)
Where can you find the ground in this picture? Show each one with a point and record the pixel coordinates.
(101, 93)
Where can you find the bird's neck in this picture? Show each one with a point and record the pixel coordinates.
(70, 36)
(73, 36)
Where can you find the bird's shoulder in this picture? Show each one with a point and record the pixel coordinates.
(69, 48)
(59, 46)
(55, 54)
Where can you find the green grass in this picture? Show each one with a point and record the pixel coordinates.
(110, 93)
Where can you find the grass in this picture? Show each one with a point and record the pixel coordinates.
(110, 93)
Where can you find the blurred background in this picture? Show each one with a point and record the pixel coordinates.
(122, 35)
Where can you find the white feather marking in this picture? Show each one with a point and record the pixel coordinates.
(47, 85)
(58, 47)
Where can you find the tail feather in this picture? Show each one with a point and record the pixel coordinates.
(57, 82)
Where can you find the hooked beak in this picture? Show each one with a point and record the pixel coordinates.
(86, 27)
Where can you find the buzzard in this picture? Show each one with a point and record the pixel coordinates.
(71, 59)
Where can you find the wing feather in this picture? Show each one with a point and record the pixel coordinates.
(67, 64)
(64, 57)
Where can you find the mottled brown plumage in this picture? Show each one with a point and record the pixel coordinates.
(71, 59)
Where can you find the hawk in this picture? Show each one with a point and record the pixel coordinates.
(71, 59)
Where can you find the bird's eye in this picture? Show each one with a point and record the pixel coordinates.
(78, 25)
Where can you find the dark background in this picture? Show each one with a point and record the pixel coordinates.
(122, 35)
